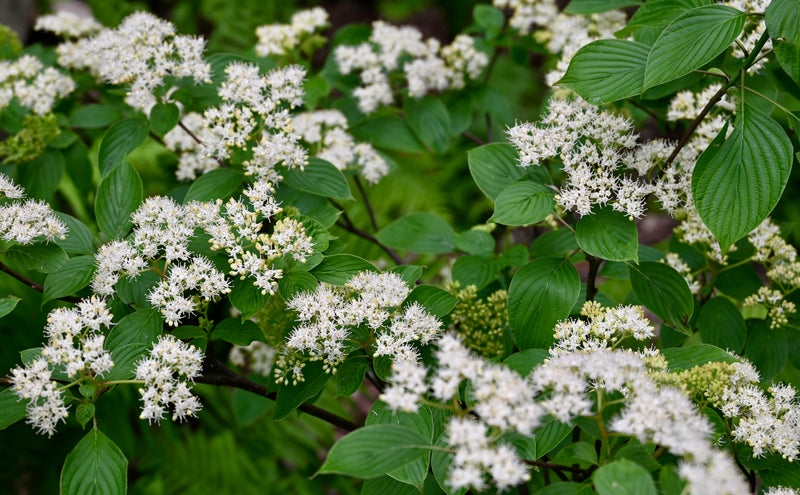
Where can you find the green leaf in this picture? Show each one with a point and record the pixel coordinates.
(12, 409)
(44, 258)
(290, 396)
(73, 276)
(337, 269)
(475, 242)
(721, 324)
(788, 55)
(219, 183)
(428, 118)
(164, 117)
(95, 116)
(84, 413)
(623, 477)
(783, 20)
(120, 139)
(664, 291)
(388, 133)
(767, 349)
(386, 485)
(409, 273)
(684, 358)
(739, 185)
(238, 332)
(554, 243)
(441, 460)
(523, 203)
(135, 290)
(96, 465)
(319, 177)
(525, 361)
(479, 271)
(692, 40)
(423, 233)
(350, 375)
(247, 298)
(609, 235)
(597, 6)
(490, 19)
(374, 450)
(437, 301)
(659, 14)
(294, 282)
(550, 435)
(79, 239)
(670, 481)
(595, 64)
(541, 293)
(7, 304)
(118, 195)
(738, 282)
(494, 167)
(41, 177)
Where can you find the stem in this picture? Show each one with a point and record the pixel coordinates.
(761, 95)
(472, 137)
(350, 227)
(717, 74)
(714, 100)
(216, 373)
(195, 138)
(34, 284)
(367, 204)
(591, 280)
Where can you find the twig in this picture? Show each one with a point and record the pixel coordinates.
(371, 212)
(472, 137)
(34, 284)
(591, 280)
(218, 374)
(350, 227)
(198, 141)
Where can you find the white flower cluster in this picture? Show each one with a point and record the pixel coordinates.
(693, 231)
(163, 229)
(193, 162)
(431, 67)
(768, 422)
(141, 52)
(779, 308)
(256, 108)
(24, 222)
(780, 490)
(753, 30)
(279, 39)
(602, 328)
(74, 344)
(529, 13)
(674, 260)
(257, 357)
(165, 373)
(33, 85)
(329, 315)
(776, 254)
(68, 24)
(591, 145)
(326, 131)
(565, 387)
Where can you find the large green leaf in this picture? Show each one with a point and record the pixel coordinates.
(430, 121)
(736, 186)
(437, 301)
(609, 235)
(599, 62)
(238, 332)
(494, 167)
(597, 6)
(120, 139)
(44, 258)
(247, 298)
(74, 275)
(783, 24)
(767, 348)
(41, 177)
(421, 232)
(118, 195)
(141, 328)
(721, 324)
(337, 269)
(163, 117)
(475, 270)
(623, 477)
(11, 408)
(79, 239)
(664, 291)
(95, 466)
(319, 177)
(95, 116)
(541, 293)
(684, 358)
(375, 450)
(659, 13)
(290, 396)
(692, 40)
(216, 184)
(523, 203)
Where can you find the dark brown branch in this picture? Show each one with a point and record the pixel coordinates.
(472, 137)
(367, 203)
(34, 284)
(348, 225)
(216, 373)
(591, 279)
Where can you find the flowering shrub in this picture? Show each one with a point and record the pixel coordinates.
(214, 238)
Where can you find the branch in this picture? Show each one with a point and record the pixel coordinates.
(472, 137)
(350, 227)
(34, 284)
(591, 280)
(363, 192)
(216, 373)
